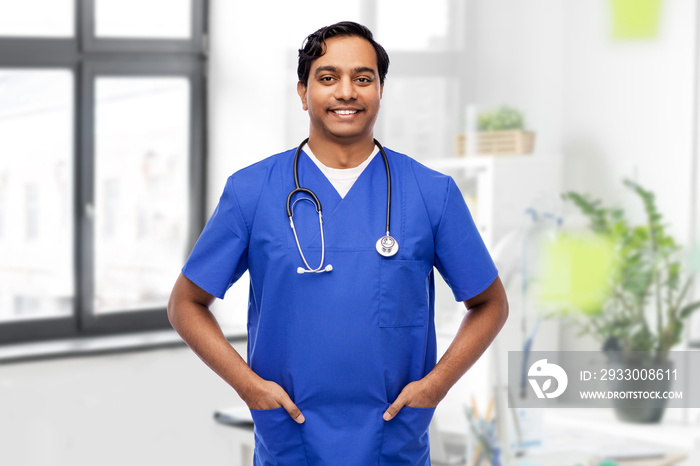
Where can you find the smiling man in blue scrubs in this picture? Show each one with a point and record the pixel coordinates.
(341, 363)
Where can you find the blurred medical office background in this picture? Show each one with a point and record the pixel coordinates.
(121, 120)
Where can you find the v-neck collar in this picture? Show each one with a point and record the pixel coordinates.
(311, 177)
(355, 203)
(330, 192)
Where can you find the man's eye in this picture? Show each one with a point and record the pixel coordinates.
(326, 79)
(363, 80)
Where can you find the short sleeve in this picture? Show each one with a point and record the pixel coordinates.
(460, 254)
(220, 256)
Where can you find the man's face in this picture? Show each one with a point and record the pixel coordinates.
(343, 92)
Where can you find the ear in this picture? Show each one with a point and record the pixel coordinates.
(381, 90)
(301, 90)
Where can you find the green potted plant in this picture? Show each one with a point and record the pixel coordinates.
(499, 132)
(502, 132)
(503, 119)
(645, 306)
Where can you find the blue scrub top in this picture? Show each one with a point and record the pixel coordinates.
(342, 344)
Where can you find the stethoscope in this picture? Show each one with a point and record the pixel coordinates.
(387, 246)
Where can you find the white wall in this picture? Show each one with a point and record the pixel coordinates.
(628, 108)
(153, 407)
(608, 108)
(519, 51)
(519, 63)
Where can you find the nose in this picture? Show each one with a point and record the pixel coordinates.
(345, 90)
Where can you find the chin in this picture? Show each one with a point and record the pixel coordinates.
(347, 133)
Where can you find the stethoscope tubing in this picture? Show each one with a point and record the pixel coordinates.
(298, 189)
(388, 188)
(382, 249)
(296, 238)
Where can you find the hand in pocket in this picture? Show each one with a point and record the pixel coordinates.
(265, 394)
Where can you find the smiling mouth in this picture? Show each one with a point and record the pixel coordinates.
(344, 112)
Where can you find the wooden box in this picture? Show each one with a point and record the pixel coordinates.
(511, 142)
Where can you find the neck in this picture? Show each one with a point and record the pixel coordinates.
(338, 155)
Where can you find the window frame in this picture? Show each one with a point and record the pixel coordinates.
(92, 43)
(88, 58)
(430, 63)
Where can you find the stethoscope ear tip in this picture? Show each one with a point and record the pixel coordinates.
(300, 270)
(329, 267)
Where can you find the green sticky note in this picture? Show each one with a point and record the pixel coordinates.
(576, 271)
(635, 19)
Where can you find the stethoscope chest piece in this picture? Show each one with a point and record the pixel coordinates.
(387, 246)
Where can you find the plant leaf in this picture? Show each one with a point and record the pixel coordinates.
(687, 310)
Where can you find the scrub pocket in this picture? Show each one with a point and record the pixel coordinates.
(403, 294)
(405, 440)
(278, 438)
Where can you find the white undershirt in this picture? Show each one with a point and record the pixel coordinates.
(342, 179)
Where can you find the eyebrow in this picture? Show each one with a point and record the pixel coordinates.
(333, 69)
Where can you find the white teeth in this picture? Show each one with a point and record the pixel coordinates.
(345, 112)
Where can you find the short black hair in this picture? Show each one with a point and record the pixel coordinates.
(313, 47)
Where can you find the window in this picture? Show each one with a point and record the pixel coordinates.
(115, 18)
(37, 18)
(102, 162)
(416, 26)
(430, 50)
(36, 247)
(141, 167)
